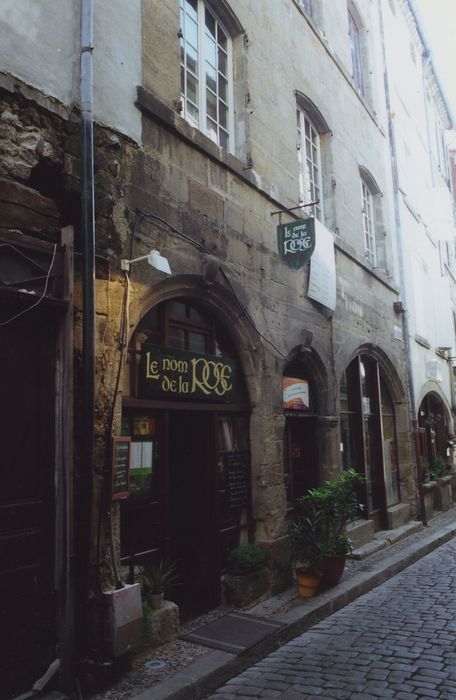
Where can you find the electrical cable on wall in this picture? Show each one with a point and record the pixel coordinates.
(153, 217)
(36, 303)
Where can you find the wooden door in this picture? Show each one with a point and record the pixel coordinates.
(27, 616)
(192, 508)
(302, 454)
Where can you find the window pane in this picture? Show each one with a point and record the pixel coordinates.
(223, 114)
(222, 87)
(210, 52)
(196, 315)
(223, 139)
(211, 105)
(182, 80)
(177, 338)
(197, 342)
(222, 62)
(192, 59)
(192, 88)
(211, 130)
(192, 114)
(221, 38)
(176, 308)
(211, 77)
(210, 23)
(191, 8)
(191, 33)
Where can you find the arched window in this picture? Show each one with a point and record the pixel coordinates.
(371, 214)
(309, 163)
(368, 224)
(368, 436)
(356, 59)
(206, 72)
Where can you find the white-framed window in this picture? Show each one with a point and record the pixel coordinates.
(368, 224)
(309, 163)
(206, 72)
(355, 47)
(307, 5)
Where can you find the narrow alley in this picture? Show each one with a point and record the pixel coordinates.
(398, 641)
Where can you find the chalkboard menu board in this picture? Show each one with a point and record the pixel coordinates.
(120, 467)
(237, 475)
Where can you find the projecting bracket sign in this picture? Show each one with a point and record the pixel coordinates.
(296, 242)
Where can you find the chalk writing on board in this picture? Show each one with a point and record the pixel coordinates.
(237, 471)
(120, 467)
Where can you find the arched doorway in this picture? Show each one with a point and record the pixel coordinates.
(301, 444)
(433, 431)
(368, 436)
(187, 413)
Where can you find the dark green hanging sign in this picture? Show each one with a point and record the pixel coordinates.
(296, 242)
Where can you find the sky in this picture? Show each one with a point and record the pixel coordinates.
(439, 25)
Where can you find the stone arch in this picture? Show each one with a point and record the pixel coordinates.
(313, 364)
(390, 373)
(222, 306)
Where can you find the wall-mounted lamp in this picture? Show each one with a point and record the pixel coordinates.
(153, 258)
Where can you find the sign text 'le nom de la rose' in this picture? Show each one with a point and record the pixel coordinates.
(169, 373)
(296, 242)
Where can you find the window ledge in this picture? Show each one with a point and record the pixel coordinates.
(422, 341)
(152, 106)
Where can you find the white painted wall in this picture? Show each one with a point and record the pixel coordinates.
(39, 42)
(425, 212)
(40, 45)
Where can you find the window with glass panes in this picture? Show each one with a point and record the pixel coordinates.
(307, 5)
(368, 224)
(355, 45)
(309, 163)
(206, 83)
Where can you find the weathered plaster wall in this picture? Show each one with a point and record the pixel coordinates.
(41, 46)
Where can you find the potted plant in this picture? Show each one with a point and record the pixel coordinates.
(156, 579)
(246, 580)
(443, 496)
(305, 540)
(332, 507)
(246, 558)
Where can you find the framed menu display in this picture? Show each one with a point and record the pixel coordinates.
(121, 447)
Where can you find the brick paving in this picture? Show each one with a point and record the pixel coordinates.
(397, 641)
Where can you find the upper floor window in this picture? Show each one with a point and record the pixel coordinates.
(307, 5)
(368, 224)
(355, 45)
(309, 160)
(206, 72)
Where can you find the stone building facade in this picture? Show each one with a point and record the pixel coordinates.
(215, 123)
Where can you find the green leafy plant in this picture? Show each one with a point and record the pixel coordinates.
(158, 577)
(246, 557)
(438, 469)
(323, 513)
(305, 540)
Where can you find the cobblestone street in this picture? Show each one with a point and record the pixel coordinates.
(398, 641)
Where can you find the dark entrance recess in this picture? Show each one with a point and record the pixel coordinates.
(368, 438)
(192, 512)
(27, 613)
(302, 455)
(433, 430)
(300, 444)
(190, 486)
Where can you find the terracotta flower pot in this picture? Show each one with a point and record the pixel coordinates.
(332, 570)
(156, 600)
(307, 582)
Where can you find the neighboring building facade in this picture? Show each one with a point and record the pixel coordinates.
(240, 378)
(419, 123)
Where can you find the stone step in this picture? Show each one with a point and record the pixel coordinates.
(361, 532)
(385, 538)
